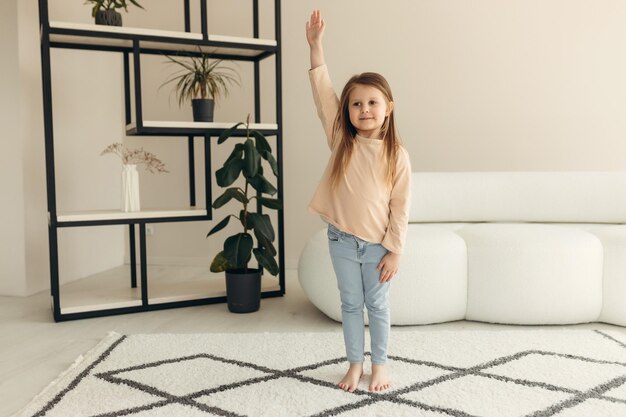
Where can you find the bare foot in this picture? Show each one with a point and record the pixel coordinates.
(380, 378)
(351, 380)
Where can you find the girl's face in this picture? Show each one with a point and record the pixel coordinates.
(368, 109)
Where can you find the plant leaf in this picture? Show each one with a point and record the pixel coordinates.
(261, 143)
(136, 4)
(237, 153)
(228, 133)
(219, 226)
(272, 203)
(265, 243)
(270, 159)
(262, 185)
(266, 260)
(263, 225)
(252, 159)
(226, 175)
(220, 263)
(249, 221)
(237, 249)
(228, 195)
(252, 221)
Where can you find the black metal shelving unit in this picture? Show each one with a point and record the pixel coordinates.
(132, 43)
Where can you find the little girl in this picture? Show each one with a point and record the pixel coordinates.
(364, 196)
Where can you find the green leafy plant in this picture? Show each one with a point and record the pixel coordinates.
(201, 77)
(245, 160)
(111, 5)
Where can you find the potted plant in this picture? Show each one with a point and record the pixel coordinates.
(130, 177)
(201, 81)
(243, 284)
(104, 11)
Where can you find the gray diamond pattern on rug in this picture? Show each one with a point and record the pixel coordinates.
(530, 373)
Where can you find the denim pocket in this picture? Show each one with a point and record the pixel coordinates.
(332, 235)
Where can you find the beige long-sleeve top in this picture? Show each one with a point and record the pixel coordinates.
(363, 204)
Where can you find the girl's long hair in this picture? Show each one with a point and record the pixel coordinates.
(344, 133)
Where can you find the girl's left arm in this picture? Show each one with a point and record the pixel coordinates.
(399, 206)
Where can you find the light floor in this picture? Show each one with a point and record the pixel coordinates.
(34, 349)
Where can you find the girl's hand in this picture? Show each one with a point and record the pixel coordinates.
(315, 28)
(388, 266)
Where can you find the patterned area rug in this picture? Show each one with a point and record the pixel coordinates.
(548, 372)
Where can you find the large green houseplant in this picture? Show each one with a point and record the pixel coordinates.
(243, 284)
(201, 81)
(104, 10)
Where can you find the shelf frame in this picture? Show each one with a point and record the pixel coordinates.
(161, 128)
(77, 313)
(112, 217)
(137, 42)
(120, 39)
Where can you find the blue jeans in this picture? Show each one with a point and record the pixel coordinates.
(355, 261)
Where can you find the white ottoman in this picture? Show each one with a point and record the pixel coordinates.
(431, 285)
(317, 276)
(613, 240)
(523, 273)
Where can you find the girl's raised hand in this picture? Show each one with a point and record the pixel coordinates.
(315, 28)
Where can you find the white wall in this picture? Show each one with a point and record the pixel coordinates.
(12, 248)
(481, 85)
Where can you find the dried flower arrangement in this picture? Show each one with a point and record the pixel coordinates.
(136, 157)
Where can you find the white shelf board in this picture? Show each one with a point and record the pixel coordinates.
(238, 39)
(79, 216)
(126, 30)
(97, 307)
(188, 297)
(201, 125)
(267, 284)
(167, 283)
(104, 38)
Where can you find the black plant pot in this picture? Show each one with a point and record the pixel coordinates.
(243, 290)
(108, 18)
(202, 109)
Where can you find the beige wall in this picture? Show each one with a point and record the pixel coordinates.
(481, 85)
(12, 248)
(478, 85)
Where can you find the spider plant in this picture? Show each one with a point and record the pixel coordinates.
(111, 5)
(201, 77)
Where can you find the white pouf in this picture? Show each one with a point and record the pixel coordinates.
(613, 240)
(430, 286)
(523, 273)
(317, 276)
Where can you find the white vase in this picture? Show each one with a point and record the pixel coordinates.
(130, 188)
